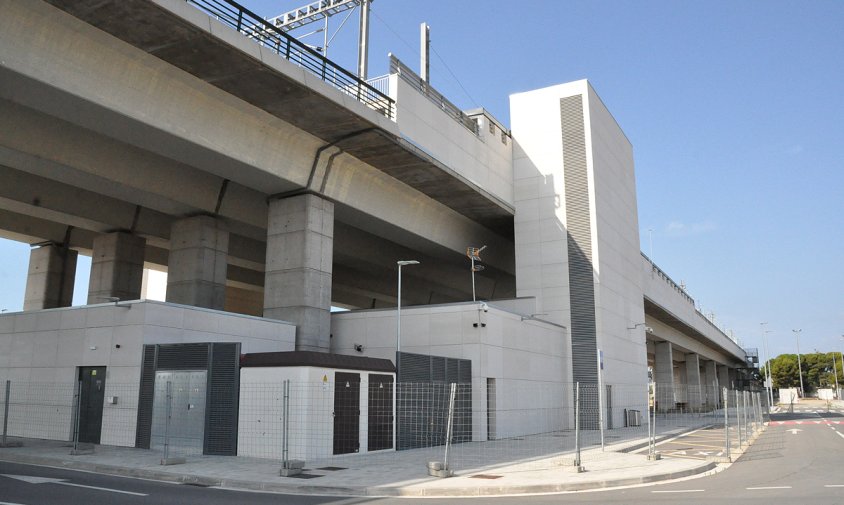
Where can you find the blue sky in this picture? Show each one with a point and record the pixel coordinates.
(735, 111)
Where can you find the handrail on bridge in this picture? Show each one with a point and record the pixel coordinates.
(268, 35)
(679, 289)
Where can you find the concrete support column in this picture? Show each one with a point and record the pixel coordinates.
(664, 376)
(297, 285)
(695, 394)
(710, 385)
(724, 377)
(196, 269)
(117, 267)
(49, 282)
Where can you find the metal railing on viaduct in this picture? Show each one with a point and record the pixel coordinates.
(270, 36)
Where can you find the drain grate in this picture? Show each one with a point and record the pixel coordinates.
(485, 476)
(195, 484)
(332, 468)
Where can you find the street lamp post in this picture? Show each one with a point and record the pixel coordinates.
(398, 312)
(799, 365)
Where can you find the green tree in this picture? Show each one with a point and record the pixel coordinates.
(784, 371)
(818, 371)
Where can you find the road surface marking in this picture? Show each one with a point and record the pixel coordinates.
(46, 480)
(767, 487)
(682, 491)
(840, 434)
(9, 503)
(794, 431)
(834, 485)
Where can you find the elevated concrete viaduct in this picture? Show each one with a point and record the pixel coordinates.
(268, 181)
(166, 137)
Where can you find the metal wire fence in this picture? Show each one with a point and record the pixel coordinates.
(463, 426)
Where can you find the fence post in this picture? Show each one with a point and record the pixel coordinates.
(6, 413)
(577, 464)
(449, 425)
(6, 402)
(727, 424)
(747, 421)
(167, 413)
(289, 467)
(648, 411)
(738, 420)
(77, 398)
(285, 413)
(652, 455)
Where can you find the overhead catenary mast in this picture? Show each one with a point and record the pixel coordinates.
(321, 11)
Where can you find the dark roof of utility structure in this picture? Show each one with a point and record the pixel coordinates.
(316, 359)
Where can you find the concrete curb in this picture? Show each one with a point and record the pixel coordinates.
(362, 491)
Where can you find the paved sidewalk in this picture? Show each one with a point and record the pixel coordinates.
(399, 475)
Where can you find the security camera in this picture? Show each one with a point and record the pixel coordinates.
(485, 307)
(358, 348)
(649, 329)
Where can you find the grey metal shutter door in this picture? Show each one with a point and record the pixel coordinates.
(222, 405)
(422, 397)
(145, 397)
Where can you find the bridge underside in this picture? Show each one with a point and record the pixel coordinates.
(98, 137)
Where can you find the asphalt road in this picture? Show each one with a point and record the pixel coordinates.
(783, 466)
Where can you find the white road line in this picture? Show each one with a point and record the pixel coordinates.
(682, 491)
(840, 434)
(767, 487)
(9, 503)
(833, 485)
(101, 488)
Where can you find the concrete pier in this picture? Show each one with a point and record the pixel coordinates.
(196, 270)
(117, 267)
(297, 287)
(49, 283)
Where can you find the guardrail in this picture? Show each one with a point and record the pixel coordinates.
(409, 76)
(268, 35)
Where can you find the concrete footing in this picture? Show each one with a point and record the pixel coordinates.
(437, 469)
(291, 467)
(173, 461)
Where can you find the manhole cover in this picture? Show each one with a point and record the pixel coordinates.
(332, 468)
